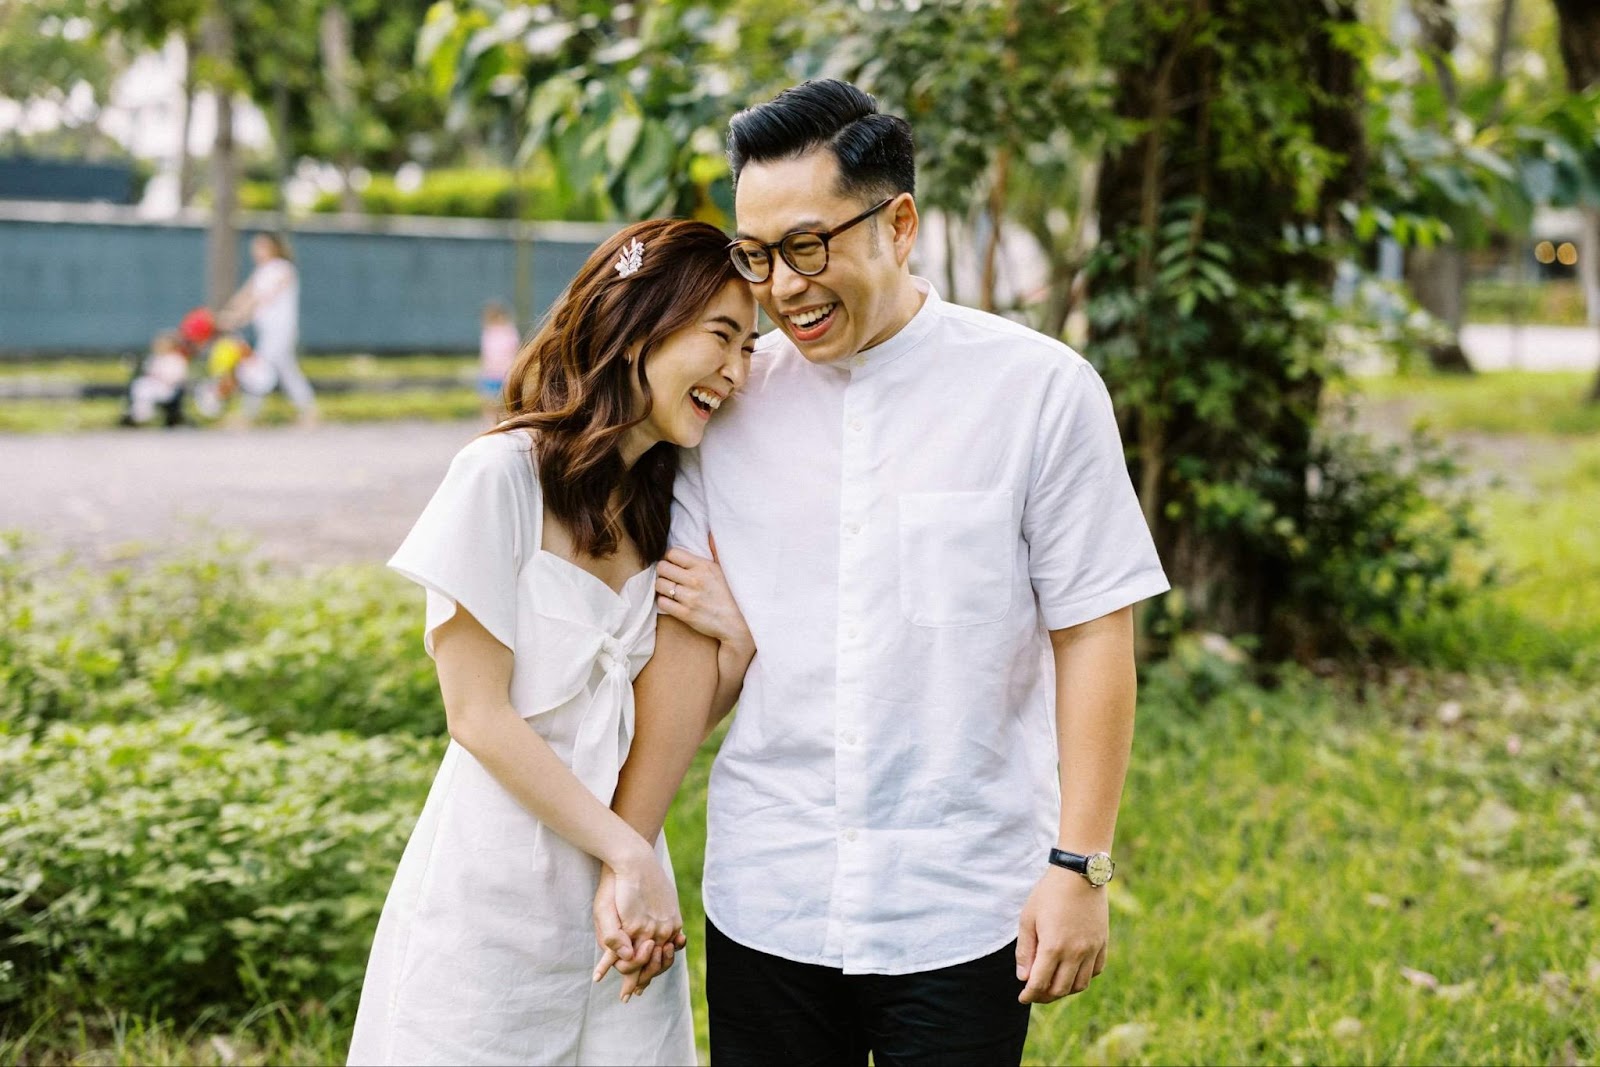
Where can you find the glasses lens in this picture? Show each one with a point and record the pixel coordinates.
(750, 260)
(805, 252)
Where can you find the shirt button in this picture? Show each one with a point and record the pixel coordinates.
(855, 424)
(849, 835)
(851, 633)
(852, 528)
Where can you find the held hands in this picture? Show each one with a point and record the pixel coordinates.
(1062, 938)
(692, 589)
(636, 920)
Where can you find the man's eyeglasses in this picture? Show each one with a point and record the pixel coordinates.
(806, 251)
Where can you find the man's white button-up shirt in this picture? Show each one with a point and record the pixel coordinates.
(901, 529)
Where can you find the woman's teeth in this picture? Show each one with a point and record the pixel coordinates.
(706, 399)
(811, 318)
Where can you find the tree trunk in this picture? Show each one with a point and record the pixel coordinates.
(1502, 43)
(1170, 85)
(222, 237)
(334, 35)
(1580, 52)
(1438, 280)
(185, 160)
(1437, 277)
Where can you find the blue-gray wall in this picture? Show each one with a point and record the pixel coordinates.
(27, 178)
(94, 278)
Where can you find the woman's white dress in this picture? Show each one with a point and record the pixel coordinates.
(485, 949)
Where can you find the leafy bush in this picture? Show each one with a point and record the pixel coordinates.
(189, 861)
(1387, 536)
(337, 651)
(485, 194)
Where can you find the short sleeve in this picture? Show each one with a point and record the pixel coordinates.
(690, 525)
(468, 546)
(1089, 549)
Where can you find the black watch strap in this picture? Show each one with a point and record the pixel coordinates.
(1070, 860)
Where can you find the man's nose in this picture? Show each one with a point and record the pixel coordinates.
(786, 281)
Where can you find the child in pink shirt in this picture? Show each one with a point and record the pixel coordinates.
(497, 350)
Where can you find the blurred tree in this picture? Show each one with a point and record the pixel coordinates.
(48, 52)
(626, 103)
(149, 24)
(1221, 223)
(1010, 112)
(1580, 54)
(1438, 274)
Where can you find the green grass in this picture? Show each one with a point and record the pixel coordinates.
(1500, 402)
(1552, 303)
(423, 402)
(116, 369)
(1543, 612)
(1394, 867)
(1311, 874)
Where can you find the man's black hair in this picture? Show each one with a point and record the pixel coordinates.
(875, 154)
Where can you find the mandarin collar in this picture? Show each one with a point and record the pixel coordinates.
(904, 340)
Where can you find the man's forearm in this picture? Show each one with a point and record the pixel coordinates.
(1096, 687)
(673, 697)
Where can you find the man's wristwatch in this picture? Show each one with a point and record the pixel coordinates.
(1096, 867)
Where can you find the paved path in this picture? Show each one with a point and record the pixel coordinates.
(335, 494)
(1496, 347)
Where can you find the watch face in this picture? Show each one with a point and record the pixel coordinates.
(1099, 869)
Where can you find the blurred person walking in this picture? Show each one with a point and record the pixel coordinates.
(270, 301)
(539, 556)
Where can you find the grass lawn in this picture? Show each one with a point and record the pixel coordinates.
(1499, 402)
(1368, 868)
(425, 401)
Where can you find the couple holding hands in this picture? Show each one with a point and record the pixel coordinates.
(922, 520)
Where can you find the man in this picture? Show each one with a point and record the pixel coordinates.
(925, 515)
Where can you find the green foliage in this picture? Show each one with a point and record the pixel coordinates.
(339, 652)
(189, 862)
(624, 104)
(1385, 538)
(483, 194)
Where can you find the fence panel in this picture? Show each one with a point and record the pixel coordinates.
(95, 278)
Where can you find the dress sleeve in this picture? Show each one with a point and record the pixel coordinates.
(469, 544)
(1089, 550)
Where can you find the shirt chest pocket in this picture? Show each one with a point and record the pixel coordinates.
(955, 557)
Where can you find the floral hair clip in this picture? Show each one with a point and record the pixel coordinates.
(630, 259)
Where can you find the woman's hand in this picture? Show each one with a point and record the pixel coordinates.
(694, 591)
(637, 921)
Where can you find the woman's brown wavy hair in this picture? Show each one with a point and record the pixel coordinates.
(572, 385)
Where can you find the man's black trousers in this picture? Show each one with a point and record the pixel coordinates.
(766, 1009)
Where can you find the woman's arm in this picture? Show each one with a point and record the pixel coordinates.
(475, 679)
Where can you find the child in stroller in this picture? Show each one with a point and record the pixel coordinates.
(160, 382)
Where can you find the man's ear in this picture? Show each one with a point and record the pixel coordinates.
(903, 223)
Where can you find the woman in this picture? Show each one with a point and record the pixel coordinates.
(270, 300)
(536, 553)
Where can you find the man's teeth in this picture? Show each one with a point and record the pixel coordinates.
(707, 398)
(812, 317)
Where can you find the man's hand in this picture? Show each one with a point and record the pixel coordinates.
(1062, 938)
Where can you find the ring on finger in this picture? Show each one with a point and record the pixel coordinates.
(672, 590)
